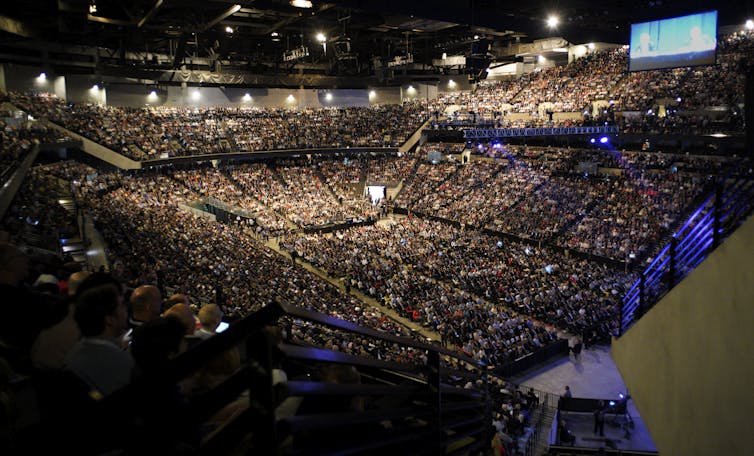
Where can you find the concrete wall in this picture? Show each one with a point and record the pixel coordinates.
(22, 78)
(119, 92)
(689, 362)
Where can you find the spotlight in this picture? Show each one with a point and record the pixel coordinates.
(247, 97)
(372, 94)
(553, 21)
(152, 96)
(321, 37)
(590, 46)
(592, 140)
(749, 24)
(411, 89)
(603, 140)
(541, 59)
(328, 96)
(678, 99)
(290, 98)
(195, 95)
(451, 83)
(42, 77)
(228, 29)
(95, 88)
(301, 3)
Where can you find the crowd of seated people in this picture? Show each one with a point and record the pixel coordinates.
(542, 194)
(426, 270)
(390, 169)
(295, 190)
(35, 217)
(214, 183)
(147, 133)
(151, 241)
(19, 136)
(155, 132)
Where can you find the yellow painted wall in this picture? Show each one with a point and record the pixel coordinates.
(689, 362)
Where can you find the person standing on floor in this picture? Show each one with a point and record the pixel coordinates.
(599, 419)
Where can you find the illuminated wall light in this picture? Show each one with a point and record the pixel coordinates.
(301, 3)
(328, 96)
(247, 97)
(749, 24)
(553, 21)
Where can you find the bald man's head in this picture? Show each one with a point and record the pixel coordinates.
(75, 279)
(146, 303)
(183, 313)
(210, 315)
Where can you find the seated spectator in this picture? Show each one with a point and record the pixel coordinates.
(54, 343)
(97, 358)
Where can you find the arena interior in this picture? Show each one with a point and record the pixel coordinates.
(350, 227)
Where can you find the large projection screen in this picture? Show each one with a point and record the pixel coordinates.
(677, 42)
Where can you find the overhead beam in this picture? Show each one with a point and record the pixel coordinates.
(227, 13)
(290, 20)
(16, 27)
(109, 21)
(148, 16)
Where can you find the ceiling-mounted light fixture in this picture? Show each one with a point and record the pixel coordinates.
(301, 3)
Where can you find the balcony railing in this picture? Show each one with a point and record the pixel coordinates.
(722, 211)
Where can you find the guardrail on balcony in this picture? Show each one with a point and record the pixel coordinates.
(717, 217)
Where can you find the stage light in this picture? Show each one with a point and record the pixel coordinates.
(95, 88)
(541, 59)
(411, 89)
(152, 96)
(228, 29)
(604, 140)
(476, 37)
(290, 98)
(328, 96)
(247, 97)
(553, 21)
(451, 83)
(749, 24)
(321, 37)
(592, 140)
(678, 99)
(301, 3)
(590, 46)
(372, 94)
(195, 95)
(42, 77)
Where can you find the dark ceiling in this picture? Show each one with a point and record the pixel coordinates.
(254, 36)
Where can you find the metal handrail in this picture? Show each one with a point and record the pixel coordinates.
(718, 216)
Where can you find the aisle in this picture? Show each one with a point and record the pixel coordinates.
(390, 313)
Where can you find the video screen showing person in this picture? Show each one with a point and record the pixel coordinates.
(676, 42)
